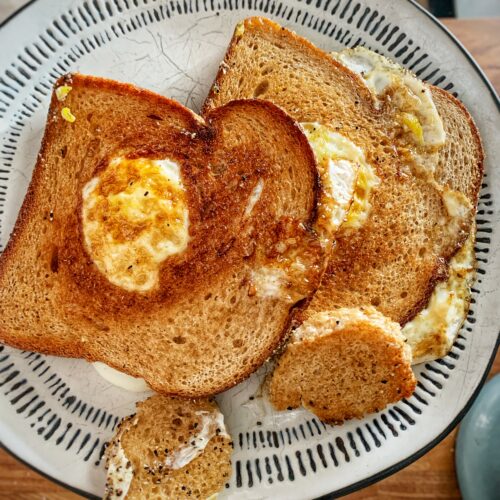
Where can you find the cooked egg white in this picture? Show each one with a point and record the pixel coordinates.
(268, 281)
(134, 216)
(457, 204)
(432, 332)
(254, 197)
(287, 269)
(346, 178)
(120, 379)
(212, 424)
(120, 473)
(411, 96)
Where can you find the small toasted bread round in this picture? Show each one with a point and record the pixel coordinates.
(343, 364)
(171, 448)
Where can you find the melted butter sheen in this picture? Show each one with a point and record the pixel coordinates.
(134, 216)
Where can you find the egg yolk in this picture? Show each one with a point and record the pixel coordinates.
(134, 216)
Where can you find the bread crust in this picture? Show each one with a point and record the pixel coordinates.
(475, 185)
(272, 26)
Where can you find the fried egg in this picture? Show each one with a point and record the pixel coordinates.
(412, 97)
(346, 179)
(134, 216)
(432, 332)
(120, 379)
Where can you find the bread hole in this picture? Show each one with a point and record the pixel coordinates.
(261, 89)
(375, 302)
(208, 296)
(404, 295)
(179, 340)
(240, 82)
(237, 343)
(265, 71)
(155, 117)
(233, 299)
(89, 116)
(64, 150)
(177, 421)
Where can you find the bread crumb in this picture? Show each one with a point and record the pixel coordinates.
(68, 115)
(62, 92)
(239, 30)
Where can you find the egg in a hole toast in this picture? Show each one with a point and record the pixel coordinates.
(169, 246)
(405, 244)
(421, 157)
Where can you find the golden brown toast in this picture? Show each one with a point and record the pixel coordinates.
(343, 364)
(394, 261)
(171, 448)
(217, 308)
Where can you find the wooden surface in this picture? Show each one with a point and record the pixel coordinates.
(431, 477)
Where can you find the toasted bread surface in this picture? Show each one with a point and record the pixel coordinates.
(460, 163)
(394, 261)
(343, 364)
(210, 320)
(171, 448)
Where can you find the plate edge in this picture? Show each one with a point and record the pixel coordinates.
(460, 415)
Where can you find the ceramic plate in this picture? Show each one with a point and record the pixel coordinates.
(56, 414)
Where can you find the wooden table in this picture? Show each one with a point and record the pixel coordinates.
(431, 477)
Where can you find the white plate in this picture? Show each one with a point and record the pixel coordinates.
(56, 414)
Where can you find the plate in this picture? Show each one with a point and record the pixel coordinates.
(56, 414)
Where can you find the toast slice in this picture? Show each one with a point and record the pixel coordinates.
(170, 247)
(395, 259)
(343, 364)
(170, 448)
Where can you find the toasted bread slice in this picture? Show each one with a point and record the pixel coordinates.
(343, 364)
(395, 259)
(171, 448)
(212, 311)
